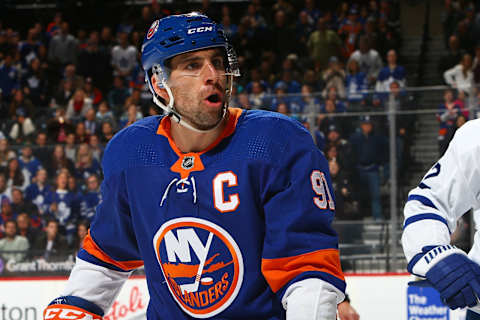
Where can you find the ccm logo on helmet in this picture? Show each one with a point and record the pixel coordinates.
(199, 29)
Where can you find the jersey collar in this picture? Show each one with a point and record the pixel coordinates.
(193, 158)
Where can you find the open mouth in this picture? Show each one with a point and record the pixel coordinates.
(214, 98)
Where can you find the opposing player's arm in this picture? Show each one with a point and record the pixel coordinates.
(108, 255)
(447, 191)
(300, 257)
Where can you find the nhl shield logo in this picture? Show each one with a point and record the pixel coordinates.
(188, 162)
(201, 263)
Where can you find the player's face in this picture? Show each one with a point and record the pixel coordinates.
(198, 83)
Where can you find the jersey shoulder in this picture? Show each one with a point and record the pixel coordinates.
(273, 124)
(270, 136)
(466, 139)
(133, 145)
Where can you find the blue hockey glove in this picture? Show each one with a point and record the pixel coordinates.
(451, 272)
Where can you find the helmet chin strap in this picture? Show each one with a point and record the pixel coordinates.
(172, 113)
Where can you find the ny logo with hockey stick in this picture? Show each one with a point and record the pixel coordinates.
(201, 263)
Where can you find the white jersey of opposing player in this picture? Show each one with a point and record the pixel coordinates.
(448, 190)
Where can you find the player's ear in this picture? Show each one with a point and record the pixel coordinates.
(161, 92)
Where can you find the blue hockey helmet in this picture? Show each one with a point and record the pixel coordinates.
(177, 34)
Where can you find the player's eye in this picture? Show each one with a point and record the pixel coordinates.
(192, 66)
(218, 63)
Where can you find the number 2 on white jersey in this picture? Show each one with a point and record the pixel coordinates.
(320, 187)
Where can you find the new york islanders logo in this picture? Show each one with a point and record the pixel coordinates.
(202, 264)
(153, 29)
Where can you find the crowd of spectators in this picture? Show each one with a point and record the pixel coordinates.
(65, 93)
(459, 67)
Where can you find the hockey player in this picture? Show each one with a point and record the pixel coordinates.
(228, 210)
(448, 190)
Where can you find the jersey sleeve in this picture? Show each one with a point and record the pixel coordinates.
(448, 190)
(299, 208)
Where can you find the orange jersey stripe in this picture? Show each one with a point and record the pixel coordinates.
(278, 272)
(92, 248)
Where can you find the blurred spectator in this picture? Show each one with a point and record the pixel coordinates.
(70, 147)
(25, 229)
(124, 57)
(313, 13)
(9, 78)
(282, 36)
(90, 123)
(13, 247)
(117, 95)
(332, 94)
(349, 31)
(85, 164)
(287, 80)
(368, 154)
(29, 162)
(135, 99)
(19, 204)
(461, 76)
(22, 127)
(130, 115)
(356, 85)
(333, 137)
(16, 176)
(58, 161)
(90, 199)
(39, 192)
(50, 244)
(21, 106)
(283, 109)
(334, 76)
(104, 113)
(71, 75)
(391, 72)
(388, 38)
(447, 115)
(82, 231)
(62, 48)
(5, 190)
(326, 117)
(53, 27)
(346, 207)
(6, 153)
(81, 134)
(476, 64)
(63, 94)
(62, 206)
(97, 149)
(107, 132)
(465, 36)
(42, 150)
(310, 105)
(145, 20)
(94, 62)
(92, 92)
(34, 84)
(59, 126)
(368, 60)
(78, 106)
(258, 96)
(304, 27)
(6, 213)
(323, 44)
(453, 55)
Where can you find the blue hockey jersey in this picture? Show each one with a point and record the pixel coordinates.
(222, 233)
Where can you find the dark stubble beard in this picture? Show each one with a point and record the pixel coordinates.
(201, 120)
